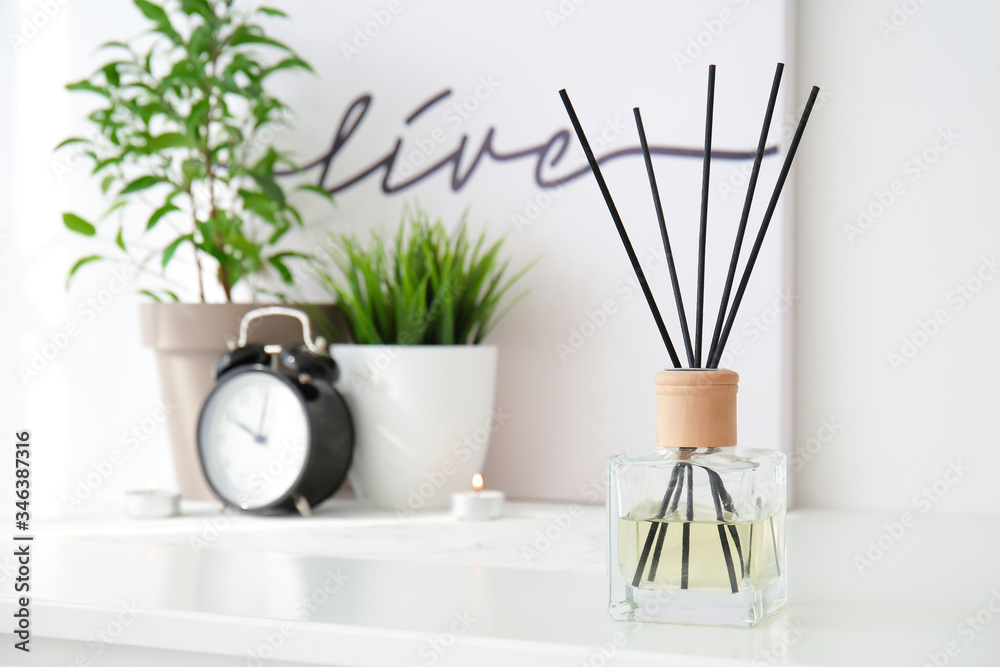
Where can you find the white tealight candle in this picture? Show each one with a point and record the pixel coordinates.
(152, 504)
(477, 505)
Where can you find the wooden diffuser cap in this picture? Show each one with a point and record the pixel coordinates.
(696, 408)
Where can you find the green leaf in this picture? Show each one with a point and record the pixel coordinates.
(141, 183)
(119, 241)
(159, 213)
(158, 15)
(101, 165)
(200, 43)
(192, 170)
(295, 254)
(113, 45)
(71, 140)
(77, 224)
(278, 262)
(270, 188)
(79, 263)
(111, 74)
(200, 7)
(289, 63)
(156, 297)
(271, 11)
(293, 215)
(254, 35)
(279, 231)
(169, 140)
(286, 275)
(114, 207)
(151, 11)
(88, 87)
(316, 189)
(260, 204)
(265, 165)
(106, 183)
(168, 252)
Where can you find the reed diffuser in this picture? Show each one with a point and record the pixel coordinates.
(696, 526)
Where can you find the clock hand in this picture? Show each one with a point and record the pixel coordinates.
(263, 413)
(258, 439)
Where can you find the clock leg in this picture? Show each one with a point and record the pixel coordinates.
(302, 505)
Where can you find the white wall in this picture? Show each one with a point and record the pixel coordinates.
(90, 383)
(888, 95)
(929, 88)
(566, 414)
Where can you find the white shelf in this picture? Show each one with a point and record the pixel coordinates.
(527, 589)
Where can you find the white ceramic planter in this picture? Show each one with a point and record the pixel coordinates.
(423, 416)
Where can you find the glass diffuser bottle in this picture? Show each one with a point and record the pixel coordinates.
(696, 526)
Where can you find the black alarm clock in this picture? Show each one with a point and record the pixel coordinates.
(273, 434)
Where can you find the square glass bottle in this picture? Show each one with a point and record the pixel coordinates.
(696, 526)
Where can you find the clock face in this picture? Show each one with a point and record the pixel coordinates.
(254, 438)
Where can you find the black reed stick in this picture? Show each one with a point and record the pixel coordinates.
(663, 526)
(685, 554)
(703, 229)
(734, 533)
(686, 535)
(717, 500)
(621, 228)
(722, 501)
(662, 512)
(690, 498)
(782, 175)
(774, 543)
(637, 578)
(657, 551)
(646, 548)
(727, 505)
(678, 300)
(741, 230)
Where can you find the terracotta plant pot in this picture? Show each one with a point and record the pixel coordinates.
(188, 339)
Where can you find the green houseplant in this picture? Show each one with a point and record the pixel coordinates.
(182, 145)
(419, 381)
(181, 142)
(423, 287)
